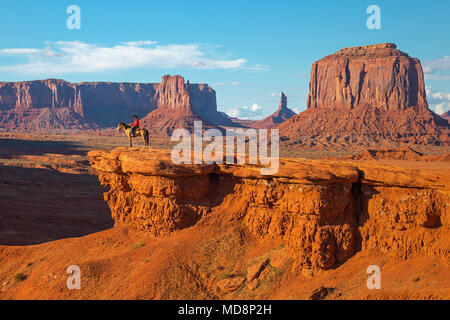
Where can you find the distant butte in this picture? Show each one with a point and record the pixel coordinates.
(282, 114)
(446, 116)
(58, 104)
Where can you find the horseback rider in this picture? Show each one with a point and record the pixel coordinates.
(135, 125)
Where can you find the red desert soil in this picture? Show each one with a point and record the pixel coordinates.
(237, 235)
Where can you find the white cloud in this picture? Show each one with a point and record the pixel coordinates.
(235, 83)
(440, 64)
(258, 67)
(439, 100)
(441, 108)
(437, 69)
(437, 96)
(18, 51)
(252, 112)
(140, 43)
(255, 107)
(234, 113)
(437, 77)
(64, 57)
(440, 96)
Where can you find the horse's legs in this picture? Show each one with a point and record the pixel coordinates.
(131, 145)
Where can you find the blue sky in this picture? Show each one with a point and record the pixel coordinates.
(248, 51)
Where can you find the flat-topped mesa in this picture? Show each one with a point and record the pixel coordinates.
(174, 93)
(374, 49)
(377, 75)
(53, 103)
(325, 211)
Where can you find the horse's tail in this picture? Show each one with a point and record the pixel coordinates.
(146, 134)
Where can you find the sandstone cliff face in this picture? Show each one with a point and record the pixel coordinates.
(173, 93)
(324, 211)
(60, 104)
(374, 92)
(282, 114)
(377, 75)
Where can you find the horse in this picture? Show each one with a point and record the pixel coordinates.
(139, 132)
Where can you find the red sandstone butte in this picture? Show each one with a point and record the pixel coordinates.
(180, 104)
(377, 75)
(371, 91)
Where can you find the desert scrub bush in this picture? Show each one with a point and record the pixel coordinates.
(138, 245)
(18, 277)
(227, 275)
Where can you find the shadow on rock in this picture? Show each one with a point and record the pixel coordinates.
(39, 205)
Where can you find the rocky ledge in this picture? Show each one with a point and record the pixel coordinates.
(325, 211)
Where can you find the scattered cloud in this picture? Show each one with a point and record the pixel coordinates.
(437, 69)
(18, 51)
(437, 77)
(441, 108)
(438, 100)
(64, 57)
(252, 112)
(257, 67)
(255, 107)
(234, 83)
(440, 64)
(139, 43)
(437, 96)
(440, 96)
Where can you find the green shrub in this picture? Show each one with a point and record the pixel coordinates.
(18, 277)
(138, 245)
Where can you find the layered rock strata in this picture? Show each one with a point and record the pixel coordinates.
(325, 211)
(50, 104)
